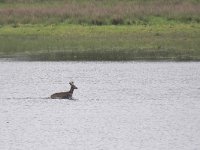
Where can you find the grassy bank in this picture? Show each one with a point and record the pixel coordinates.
(100, 29)
(78, 42)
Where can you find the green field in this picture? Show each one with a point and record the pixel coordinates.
(100, 30)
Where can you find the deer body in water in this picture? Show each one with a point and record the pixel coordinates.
(65, 95)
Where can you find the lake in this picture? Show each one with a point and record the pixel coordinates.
(117, 106)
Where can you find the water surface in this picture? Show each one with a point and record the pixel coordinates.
(131, 105)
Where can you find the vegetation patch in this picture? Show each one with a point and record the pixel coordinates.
(100, 29)
(77, 42)
(95, 12)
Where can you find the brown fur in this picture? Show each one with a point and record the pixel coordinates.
(65, 95)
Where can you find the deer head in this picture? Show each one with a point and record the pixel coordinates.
(72, 85)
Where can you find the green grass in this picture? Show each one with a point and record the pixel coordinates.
(78, 42)
(100, 29)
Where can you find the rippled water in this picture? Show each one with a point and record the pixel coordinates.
(118, 106)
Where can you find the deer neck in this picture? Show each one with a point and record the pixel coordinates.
(71, 90)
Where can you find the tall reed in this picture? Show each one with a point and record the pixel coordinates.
(99, 13)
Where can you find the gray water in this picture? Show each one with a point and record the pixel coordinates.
(118, 106)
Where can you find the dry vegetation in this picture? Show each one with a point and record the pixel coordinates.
(98, 12)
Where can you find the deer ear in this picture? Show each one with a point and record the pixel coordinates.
(71, 83)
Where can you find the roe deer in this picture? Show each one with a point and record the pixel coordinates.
(65, 95)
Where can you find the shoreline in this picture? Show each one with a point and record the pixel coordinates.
(64, 42)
